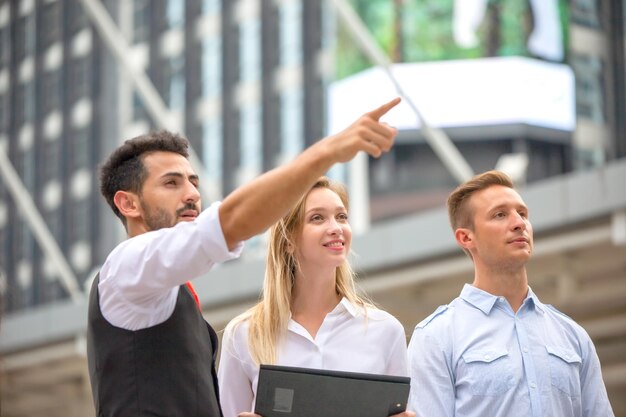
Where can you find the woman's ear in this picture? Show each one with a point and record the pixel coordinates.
(127, 203)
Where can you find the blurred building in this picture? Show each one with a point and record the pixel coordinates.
(522, 104)
(245, 80)
(248, 82)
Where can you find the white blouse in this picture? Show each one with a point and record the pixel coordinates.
(140, 278)
(348, 340)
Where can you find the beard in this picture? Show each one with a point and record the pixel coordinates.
(158, 218)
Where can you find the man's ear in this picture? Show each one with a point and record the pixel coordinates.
(464, 238)
(127, 203)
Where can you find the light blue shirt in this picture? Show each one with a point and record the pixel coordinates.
(476, 357)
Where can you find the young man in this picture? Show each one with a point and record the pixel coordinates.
(150, 352)
(497, 350)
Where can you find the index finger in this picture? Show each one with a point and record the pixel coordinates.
(379, 112)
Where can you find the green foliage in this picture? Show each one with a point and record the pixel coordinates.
(427, 31)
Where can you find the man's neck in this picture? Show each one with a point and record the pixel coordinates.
(510, 284)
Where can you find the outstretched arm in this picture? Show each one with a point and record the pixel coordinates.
(253, 207)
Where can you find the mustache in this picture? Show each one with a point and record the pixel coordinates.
(188, 206)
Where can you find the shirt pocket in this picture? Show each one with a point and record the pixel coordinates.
(565, 370)
(489, 371)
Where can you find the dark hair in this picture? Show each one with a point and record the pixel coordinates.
(124, 169)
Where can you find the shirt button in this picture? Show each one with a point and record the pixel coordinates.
(487, 357)
(525, 349)
(533, 385)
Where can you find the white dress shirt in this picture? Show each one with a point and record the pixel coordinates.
(347, 340)
(140, 278)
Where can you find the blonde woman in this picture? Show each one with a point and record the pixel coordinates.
(310, 314)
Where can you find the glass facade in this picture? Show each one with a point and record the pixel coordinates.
(291, 91)
(207, 59)
(589, 87)
(248, 79)
(248, 97)
(586, 13)
(47, 90)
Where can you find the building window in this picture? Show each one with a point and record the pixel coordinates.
(213, 149)
(24, 242)
(80, 78)
(81, 149)
(28, 169)
(24, 37)
(51, 97)
(76, 17)
(4, 112)
(585, 12)
(141, 21)
(211, 68)
(5, 51)
(290, 26)
(53, 219)
(292, 124)
(51, 169)
(24, 109)
(211, 6)
(211, 97)
(175, 14)
(4, 213)
(251, 152)
(174, 91)
(248, 97)
(50, 21)
(290, 33)
(81, 221)
(139, 111)
(589, 87)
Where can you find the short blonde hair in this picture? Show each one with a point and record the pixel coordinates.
(459, 211)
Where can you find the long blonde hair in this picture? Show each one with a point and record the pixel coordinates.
(268, 319)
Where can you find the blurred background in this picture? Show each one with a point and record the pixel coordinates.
(533, 87)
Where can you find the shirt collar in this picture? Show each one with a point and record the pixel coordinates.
(480, 299)
(532, 297)
(485, 301)
(345, 305)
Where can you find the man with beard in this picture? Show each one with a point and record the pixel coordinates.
(496, 350)
(150, 352)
